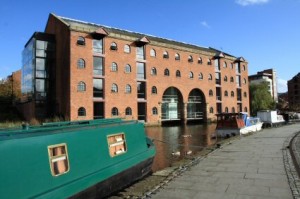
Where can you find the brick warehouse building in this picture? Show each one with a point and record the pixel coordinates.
(82, 70)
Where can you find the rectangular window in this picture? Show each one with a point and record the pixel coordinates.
(140, 54)
(218, 78)
(116, 144)
(40, 85)
(98, 46)
(237, 68)
(217, 65)
(98, 88)
(98, 66)
(141, 89)
(58, 159)
(98, 110)
(238, 80)
(239, 94)
(140, 70)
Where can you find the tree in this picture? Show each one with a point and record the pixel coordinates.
(260, 98)
(6, 93)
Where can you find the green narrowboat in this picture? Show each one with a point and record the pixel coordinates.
(81, 159)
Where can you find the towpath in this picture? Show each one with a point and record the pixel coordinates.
(252, 167)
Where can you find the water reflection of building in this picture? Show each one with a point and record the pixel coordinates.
(82, 70)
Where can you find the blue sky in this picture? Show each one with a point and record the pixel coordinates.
(265, 32)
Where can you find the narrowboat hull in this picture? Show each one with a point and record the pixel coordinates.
(228, 132)
(73, 159)
(232, 124)
(117, 182)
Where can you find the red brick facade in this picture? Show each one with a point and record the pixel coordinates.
(68, 75)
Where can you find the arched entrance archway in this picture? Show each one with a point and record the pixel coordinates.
(196, 106)
(172, 105)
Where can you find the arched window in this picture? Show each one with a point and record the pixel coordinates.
(154, 111)
(225, 64)
(80, 63)
(245, 109)
(226, 93)
(114, 67)
(225, 79)
(178, 74)
(199, 60)
(128, 111)
(231, 79)
(113, 46)
(127, 88)
(81, 41)
(209, 77)
(244, 67)
(210, 93)
(208, 62)
(127, 68)
(154, 90)
(126, 48)
(152, 53)
(200, 76)
(177, 56)
(211, 110)
(81, 87)
(245, 81)
(166, 55)
(114, 88)
(232, 94)
(226, 109)
(190, 58)
(167, 72)
(114, 111)
(191, 75)
(233, 110)
(231, 65)
(153, 71)
(245, 94)
(81, 111)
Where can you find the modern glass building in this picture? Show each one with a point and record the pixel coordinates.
(37, 62)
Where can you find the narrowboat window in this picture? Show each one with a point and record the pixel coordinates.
(58, 159)
(116, 144)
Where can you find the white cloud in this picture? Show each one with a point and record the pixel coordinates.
(251, 2)
(205, 24)
(281, 85)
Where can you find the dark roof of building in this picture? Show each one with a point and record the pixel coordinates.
(296, 76)
(92, 27)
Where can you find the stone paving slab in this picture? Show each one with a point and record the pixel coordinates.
(251, 167)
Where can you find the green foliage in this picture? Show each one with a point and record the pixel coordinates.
(5, 90)
(7, 111)
(260, 98)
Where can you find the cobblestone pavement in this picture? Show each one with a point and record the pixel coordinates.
(257, 166)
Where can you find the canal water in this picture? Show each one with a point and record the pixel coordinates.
(174, 143)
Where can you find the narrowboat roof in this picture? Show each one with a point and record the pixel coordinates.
(59, 127)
